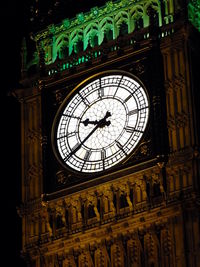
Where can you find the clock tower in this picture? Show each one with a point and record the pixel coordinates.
(110, 136)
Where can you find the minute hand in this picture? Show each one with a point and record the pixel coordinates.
(100, 124)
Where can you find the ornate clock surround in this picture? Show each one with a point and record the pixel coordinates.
(146, 153)
(86, 142)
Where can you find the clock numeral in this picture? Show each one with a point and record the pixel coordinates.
(67, 135)
(118, 86)
(71, 134)
(127, 99)
(86, 158)
(101, 92)
(129, 129)
(103, 154)
(87, 155)
(75, 147)
(73, 151)
(132, 112)
(70, 116)
(121, 147)
(119, 144)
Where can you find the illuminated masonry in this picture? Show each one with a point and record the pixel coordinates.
(145, 211)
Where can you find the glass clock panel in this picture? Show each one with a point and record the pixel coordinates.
(102, 123)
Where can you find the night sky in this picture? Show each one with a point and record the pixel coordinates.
(12, 30)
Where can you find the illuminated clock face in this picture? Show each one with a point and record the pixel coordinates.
(100, 124)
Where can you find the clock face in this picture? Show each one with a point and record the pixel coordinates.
(100, 124)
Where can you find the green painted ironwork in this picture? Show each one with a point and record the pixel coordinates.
(70, 41)
(95, 27)
(194, 13)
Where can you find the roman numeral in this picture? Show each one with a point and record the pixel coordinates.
(75, 147)
(129, 129)
(73, 151)
(120, 147)
(87, 155)
(71, 116)
(101, 92)
(128, 97)
(132, 112)
(118, 85)
(132, 130)
(67, 135)
(103, 154)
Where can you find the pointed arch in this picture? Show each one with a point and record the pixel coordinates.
(62, 46)
(91, 35)
(107, 29)
(121, 17)
(154, 4)
(122, 23)
(76, 41)
(137, 16)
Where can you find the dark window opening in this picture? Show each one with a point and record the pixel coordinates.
(91, 213)
(123, 201)
(59, 223)
(78, 46)
(139, 24)
(95, 40)
(156, 190)
(64, 52)
(108, 36)
(123, 29)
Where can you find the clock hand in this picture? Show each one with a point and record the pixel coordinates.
(87, 121)
(100, 124)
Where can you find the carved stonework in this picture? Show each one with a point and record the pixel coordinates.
(134, 250)
(179, 82)
(33, 136)
(60, 211)
(151, 248)
(108, 198)
(46, 217)
(76, 210)
(63, 178)
(92, 200)
(33, 172)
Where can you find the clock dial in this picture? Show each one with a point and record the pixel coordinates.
(101, 123)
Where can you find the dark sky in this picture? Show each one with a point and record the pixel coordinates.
(11, 34)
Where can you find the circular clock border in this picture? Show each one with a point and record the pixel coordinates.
(66, 101)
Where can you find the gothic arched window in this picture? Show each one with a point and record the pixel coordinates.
(78, 47)
(123, 30)
(139, 23)
(108, 36)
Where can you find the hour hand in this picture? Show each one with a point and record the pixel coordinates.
(87, 121)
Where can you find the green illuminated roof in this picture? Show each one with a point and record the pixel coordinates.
(91, 28)
(194, 13)
(67, 41)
